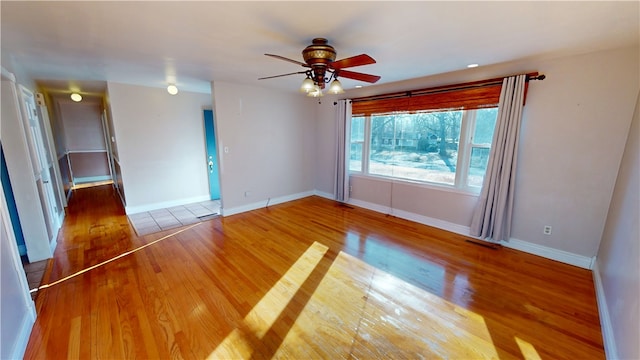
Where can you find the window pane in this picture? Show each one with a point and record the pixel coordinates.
(422, 146)
(478, 166)
(357, 139)
(485, 124)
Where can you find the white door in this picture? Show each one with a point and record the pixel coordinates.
(41, 160)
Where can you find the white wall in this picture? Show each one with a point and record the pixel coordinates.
(574, 127)
(82, 124)
(17, 310)
(161, 145)
(617, 272)
(270, 140)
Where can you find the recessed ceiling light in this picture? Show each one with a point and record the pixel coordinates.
(472, 65)
(358, 86)
(172, 89)
(76, 97)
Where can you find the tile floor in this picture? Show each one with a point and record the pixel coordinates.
(163, 219)
(35, 272)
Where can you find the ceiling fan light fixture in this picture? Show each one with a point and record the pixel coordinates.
(307, 85)
(76, 97)
(316, 92)
(172, 89)
(336, 87)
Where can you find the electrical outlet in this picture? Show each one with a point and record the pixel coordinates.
(247, 193)
(547, 230)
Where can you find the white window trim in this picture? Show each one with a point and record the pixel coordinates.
(465, 147)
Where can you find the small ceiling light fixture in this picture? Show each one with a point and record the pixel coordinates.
(307, 84)
(172, 89)
(336, 87)
(316, 92)
(76, 97)
(472, 66)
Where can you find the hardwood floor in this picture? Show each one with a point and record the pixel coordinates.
(306, 279)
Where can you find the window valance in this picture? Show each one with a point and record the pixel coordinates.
(467, 96)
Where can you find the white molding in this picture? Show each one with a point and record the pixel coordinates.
(91, 179)
(610, 348)
(325, 195)
(24, 332)
(370, 206)
(562, 256)
(24, 328)
(421, 219)
(264, 203)
(7, 75)
(54, 243)
(433, 222)
(524, 246)
(165, 204)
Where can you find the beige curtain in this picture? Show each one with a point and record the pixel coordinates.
(492, 215)
(343, 143)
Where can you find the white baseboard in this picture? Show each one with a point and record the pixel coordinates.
(325, 195)
(421, 219)
(53, 244)
(24, 332)
(562, 256)
(610, 348)
(91, 179)
(165, 204)
(264, 203)
(531, 248)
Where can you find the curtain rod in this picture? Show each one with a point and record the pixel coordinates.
(445, 88)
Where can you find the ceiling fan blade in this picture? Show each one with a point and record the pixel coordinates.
(275, 76)
(287, 59)
(358, 60)
(358, 76)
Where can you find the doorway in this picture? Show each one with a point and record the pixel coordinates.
(212, 155)
(42, 160)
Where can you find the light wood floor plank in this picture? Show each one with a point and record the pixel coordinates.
(306, 279)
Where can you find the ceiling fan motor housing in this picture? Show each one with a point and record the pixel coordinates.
(318, 55)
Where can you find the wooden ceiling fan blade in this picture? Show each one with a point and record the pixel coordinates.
(358, 60)
(358, 76)
(281, 75)
(287, 59)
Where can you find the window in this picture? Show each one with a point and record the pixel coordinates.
(449, 147)
(357, 143)
(440, 135)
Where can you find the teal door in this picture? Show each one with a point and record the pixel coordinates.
(212, 155)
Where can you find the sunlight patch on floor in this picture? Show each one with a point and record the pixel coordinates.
(528, 351)
(260, 319)
(362, 312)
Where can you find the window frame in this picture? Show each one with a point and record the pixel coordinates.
(465, 148)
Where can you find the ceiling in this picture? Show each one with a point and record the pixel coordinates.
(83, 44)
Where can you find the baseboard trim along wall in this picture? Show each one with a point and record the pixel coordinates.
(165, 204)
(610, 348)
(91, 179)
(264, 203)
(550, 253)
(516, 244)
(24, 332)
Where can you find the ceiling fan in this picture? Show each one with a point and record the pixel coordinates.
(320, 57)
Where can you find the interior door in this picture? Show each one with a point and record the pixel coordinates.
(42, 161)
(212, 155)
